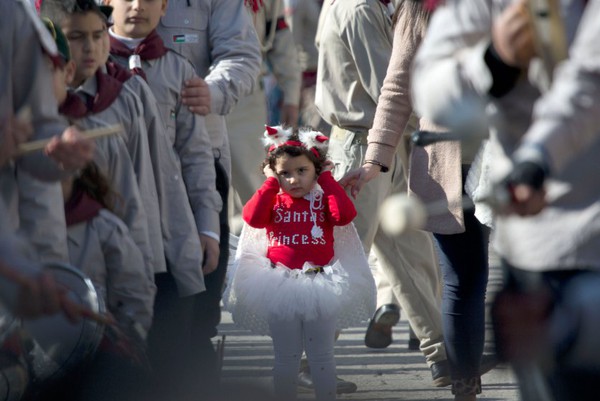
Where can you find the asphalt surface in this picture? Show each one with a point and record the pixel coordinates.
(394, 373)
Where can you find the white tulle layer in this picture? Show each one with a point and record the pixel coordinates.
(256, 291)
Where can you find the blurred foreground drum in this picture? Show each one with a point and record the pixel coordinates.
(14, 375)
(54, 345)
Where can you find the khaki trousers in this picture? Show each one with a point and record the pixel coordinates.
(406, 265)
(245, 125)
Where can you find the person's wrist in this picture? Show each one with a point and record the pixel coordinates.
(382, 167)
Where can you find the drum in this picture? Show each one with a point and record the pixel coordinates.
(14, 378)
(55, 345)
(14, 375)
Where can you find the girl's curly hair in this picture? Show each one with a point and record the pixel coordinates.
(294, 151)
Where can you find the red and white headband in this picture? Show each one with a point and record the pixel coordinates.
(277, 136)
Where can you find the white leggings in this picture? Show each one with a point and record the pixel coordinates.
(290, 338)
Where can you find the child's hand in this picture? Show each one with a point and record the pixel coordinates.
(268, 172)
(327, 166)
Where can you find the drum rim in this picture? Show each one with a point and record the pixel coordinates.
(91, 332)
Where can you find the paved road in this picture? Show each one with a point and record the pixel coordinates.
(391, 374)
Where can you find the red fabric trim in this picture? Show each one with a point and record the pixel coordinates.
(288, 143)
(254, 5)
(281, 24)
(431, 5)
(309, 74)
(295, 143)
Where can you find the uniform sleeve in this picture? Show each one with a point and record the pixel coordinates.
(130, 293)
(175, 214)
(115, 163)
(450, 75)
(192, 143)
(341, 208)
(565, 119)
(31, 81)
(137, 143)
(235, 53)
(158, 142)
(257, 211)
(42, 218)
(283, 60)
(294, 16)
(12, 257)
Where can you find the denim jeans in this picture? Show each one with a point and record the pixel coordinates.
(464, 265)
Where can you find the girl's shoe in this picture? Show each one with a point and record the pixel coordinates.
(305, 383)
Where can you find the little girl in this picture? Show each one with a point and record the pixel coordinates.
(300, 272)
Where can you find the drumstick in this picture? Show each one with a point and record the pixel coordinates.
(549, 34)
(85, 313)
(33, 146)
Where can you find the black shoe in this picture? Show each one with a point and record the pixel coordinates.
(379, 331)
(305, 384)
(440, 373)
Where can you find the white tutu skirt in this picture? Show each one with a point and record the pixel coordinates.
(257, 292)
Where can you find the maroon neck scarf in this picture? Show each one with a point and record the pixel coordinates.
(152, 47)
(117, 71)
(81, 207)
(108, 89)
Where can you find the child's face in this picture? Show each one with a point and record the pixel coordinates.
(296, 174)
(136, 18)
(85, 33)
(105, 49)
(61, 79)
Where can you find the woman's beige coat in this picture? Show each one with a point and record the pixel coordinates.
(434, 172)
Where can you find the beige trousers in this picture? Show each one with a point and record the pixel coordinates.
(245, 125)
(406, 267)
